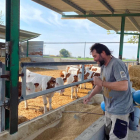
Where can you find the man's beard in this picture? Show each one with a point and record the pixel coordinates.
(102, 62)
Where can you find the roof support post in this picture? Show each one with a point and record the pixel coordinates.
(12, 67)
(121, 37)
(27, 48)
(138, 52)
(7, 60)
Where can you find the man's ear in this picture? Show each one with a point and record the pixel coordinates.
(103, 53)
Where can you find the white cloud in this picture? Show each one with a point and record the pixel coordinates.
(30, 13)
(55, 19)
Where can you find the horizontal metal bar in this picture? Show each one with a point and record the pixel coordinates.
(100, 15)
(130, 61)
(36, 94)
(38, 64)
(128, 33)
(78, 42)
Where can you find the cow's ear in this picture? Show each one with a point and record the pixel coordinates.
(36, 84)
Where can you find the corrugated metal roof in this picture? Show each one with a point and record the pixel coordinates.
(24, 35)
(99, 7)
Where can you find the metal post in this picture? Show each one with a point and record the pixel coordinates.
(2, 98)
(27, 48)
(24, 82)
(121, 37)
(7, 60)
(84, 50)
(138, 50)
(12, 35)
(83, 68)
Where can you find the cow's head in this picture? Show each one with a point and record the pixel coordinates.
(30, 87)
(59, 82)
(51, 83)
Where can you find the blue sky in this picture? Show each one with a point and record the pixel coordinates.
(36, 18)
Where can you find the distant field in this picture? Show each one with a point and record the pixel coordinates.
(82, 58)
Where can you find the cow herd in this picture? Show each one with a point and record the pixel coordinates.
(37, 82)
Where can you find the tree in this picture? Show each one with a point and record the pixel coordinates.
(1, 20)
(64, 53)
(133, 39)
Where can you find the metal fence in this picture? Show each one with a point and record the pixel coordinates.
(26, 65)
(33, 95)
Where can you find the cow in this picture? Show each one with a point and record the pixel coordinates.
(45, 82)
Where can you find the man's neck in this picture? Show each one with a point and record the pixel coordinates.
(108, 60)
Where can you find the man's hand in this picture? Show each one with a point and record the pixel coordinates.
(86, 100)
(97, 81)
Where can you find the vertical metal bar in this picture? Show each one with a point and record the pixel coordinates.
(7, 61)
(138, 52)
(14, 65)
(23, 93)
(121, 37)
(27, 48)
(84, 50)
(127, 64)
(2, 97)
(83, 68)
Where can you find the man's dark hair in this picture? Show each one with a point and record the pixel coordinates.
(100, 48)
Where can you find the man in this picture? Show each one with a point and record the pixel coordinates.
(115, 82)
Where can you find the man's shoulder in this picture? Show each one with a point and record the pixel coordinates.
(117, 61)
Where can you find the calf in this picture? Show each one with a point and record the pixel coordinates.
(89, 75)
(96, 69)
(45, 82)
(68, 79)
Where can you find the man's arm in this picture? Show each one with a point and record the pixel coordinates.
(118, 86)
(96, 90)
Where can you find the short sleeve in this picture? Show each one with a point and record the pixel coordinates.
(120, 71)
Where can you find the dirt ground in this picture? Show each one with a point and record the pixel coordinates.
(69, 128)
(35, 106)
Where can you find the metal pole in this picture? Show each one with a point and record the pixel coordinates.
(121, 37)
(83, 68)
(27, 48)
(84, 50)
(12, 64)
(2, 98)
(138, 50)
(7, 60)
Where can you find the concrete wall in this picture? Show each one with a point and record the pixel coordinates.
(32, 128)
(93, 132)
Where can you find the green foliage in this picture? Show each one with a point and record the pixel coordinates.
(1, 20)
(64, 53)
(133, 39)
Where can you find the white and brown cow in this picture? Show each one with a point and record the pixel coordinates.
(45, 82)
(68, 79)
